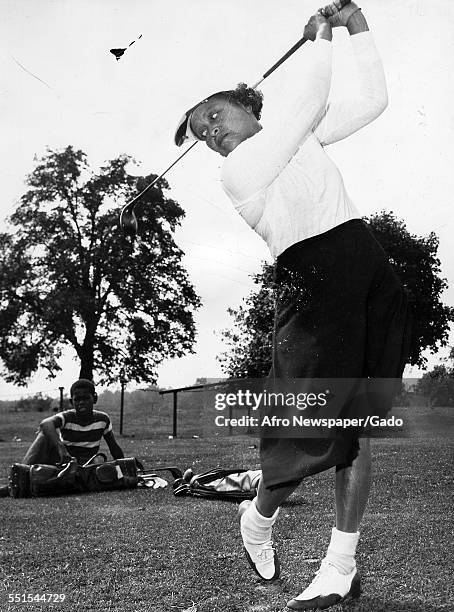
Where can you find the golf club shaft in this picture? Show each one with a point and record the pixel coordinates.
(133, 202)
(129, 207)
(290, 52)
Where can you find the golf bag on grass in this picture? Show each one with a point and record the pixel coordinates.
(41, 480)
(234, 485)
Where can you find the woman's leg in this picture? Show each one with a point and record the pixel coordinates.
(352, 489)
(338, 577)
(268, 501)
(256, 522)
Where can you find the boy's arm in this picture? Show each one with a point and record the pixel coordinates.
(49, 428)
(114, 447)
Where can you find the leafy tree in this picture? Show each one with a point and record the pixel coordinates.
(69, 277)
(438, 386)
(414, 259)
(37, 402)
(249, 341)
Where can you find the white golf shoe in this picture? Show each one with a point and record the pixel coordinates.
(329, 587)
(262, 557)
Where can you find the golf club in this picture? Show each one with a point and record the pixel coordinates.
(128, 219)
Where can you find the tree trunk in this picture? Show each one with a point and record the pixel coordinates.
(86, 364)
(86, 355)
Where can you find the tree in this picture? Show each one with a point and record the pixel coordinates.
(69, 277)
(438, 386)
(249, 341)
(37, 402)
(414, 258)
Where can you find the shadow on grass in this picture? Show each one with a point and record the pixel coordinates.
(364, 604)
(298, 501)
(373, 604)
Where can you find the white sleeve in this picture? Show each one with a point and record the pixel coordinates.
(344, 117)
(255, 163)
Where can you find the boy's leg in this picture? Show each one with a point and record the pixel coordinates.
(40, 451)
(337, 578)
(256, 522)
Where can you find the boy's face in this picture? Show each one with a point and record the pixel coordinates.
(83, 402)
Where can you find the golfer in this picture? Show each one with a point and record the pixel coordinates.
(341, 312)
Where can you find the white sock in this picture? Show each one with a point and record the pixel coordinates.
(256, 528)
(342, 550)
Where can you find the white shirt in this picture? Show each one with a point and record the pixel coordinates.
(281, 180)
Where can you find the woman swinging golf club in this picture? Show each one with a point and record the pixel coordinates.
(341, 311)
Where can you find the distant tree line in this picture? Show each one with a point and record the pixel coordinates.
(438, 384)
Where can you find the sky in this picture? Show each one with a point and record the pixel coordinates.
(60, 85)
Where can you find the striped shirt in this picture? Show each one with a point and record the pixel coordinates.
(82, 441)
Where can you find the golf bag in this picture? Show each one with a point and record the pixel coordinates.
(219, 483)
(41, 480)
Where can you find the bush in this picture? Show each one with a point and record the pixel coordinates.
(37, 402)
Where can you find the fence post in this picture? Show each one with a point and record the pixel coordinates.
(174, 393)
(122, 401)
(61, 398)
(249, 428)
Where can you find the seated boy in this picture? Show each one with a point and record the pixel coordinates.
(74, 434)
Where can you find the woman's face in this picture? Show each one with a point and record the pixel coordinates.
(222, 124)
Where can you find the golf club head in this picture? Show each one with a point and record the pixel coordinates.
(128, 221)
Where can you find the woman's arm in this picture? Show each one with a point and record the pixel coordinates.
(256, 162)
(344, 117)
(357, 23)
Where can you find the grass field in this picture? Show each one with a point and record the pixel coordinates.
(144, 550)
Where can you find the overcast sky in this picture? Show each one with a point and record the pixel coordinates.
(60, 86)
